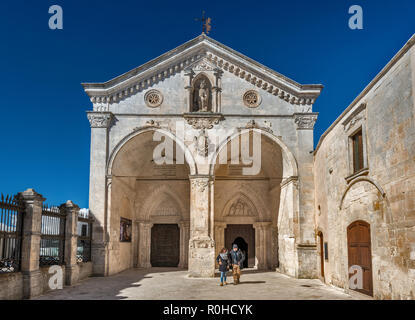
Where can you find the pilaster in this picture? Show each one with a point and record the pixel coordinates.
(32, 224)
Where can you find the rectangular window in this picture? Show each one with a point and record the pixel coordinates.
(326, 251)
(357, 151)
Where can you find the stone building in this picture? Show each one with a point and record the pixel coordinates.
(203, 147)
(364, 175)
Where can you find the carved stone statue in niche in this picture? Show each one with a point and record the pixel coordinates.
(202, 95)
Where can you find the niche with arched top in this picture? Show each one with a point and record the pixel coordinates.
(201, 99)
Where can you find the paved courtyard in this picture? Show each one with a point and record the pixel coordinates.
(168, 283)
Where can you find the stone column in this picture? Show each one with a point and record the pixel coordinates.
(184, 243)
(98, 193)
(307, 256)
(201, 245)
(261, 244)
(288, 226)
(136, 245)
(32, 224)
(144, 244)
(71, 211)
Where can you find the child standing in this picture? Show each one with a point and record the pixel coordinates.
(223, 260)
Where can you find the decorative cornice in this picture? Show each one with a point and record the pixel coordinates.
(217, 55)
(286, 181)
(203, 120)
(100, 119)
(305, 121)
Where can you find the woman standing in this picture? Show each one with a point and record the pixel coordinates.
(223, 261)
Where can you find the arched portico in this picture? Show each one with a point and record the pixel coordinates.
(157, 195)
(267, 201)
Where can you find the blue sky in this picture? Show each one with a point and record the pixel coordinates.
(45, 134)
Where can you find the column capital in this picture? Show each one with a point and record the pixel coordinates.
(99, 119)
(200, 182)
(184, 224)
(305, 121)
(219, 224)
(262, 224)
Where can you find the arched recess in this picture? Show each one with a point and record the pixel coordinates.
(273, 192)
(196, 82)
(189, 159)
(156, 199)
(134, 171)
(363, 201)
(240, 205)
(290, 168)
(360, 179)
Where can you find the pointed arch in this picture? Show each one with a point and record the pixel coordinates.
(240, 205)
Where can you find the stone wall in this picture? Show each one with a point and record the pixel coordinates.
(382, 194)
(33, 280)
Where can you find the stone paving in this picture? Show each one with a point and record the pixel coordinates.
(174, 284)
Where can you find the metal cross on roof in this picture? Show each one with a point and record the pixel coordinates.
(206, 27)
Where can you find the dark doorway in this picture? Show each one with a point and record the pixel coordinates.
(244, 236)
(359, 252)
(165, 245)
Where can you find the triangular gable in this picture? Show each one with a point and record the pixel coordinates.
(213, 53)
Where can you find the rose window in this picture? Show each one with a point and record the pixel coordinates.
(153, 98)
(252, 99)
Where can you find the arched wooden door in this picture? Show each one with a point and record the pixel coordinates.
(359, 252)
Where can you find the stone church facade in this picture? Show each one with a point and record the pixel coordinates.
(203, 147)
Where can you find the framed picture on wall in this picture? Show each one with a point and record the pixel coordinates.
(125, 230)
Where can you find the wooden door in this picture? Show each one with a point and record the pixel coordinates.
(165, 245)
(359, 252)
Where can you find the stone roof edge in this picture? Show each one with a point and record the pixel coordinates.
(408, 45)
(193, 43)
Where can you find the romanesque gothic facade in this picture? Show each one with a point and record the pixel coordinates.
(203, 147)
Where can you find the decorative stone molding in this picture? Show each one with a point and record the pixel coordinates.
(240, 208)
(203, 120)
(201, 243)
(251, 99)
(305, 121)
(211, 54)
(265, 83)
(153, 98)
(100, 119)
(355, 117)
(254, 125)
(201, 143)
(289, 180)
(200, 184)
(203, 65)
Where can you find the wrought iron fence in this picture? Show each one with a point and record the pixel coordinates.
(11, 222)
(83, 252)
(52, 243)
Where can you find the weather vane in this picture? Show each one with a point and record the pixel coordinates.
(205, 23)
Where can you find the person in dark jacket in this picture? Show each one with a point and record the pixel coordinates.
(224, 263)
(237, 260)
